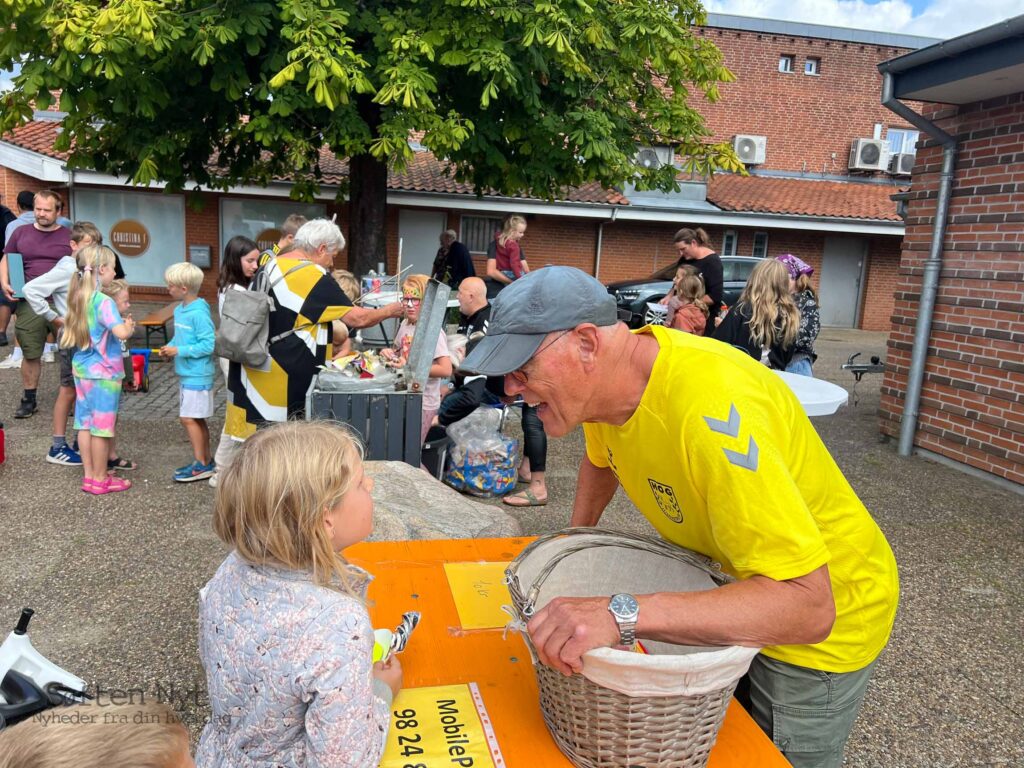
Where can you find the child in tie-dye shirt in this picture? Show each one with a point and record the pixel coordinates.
(94, 328)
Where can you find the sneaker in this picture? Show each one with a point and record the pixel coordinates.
(48, 355)
(65, 456)
(26, 409)
(184, 470)
(11, 362)
(195, 471)
(213, 480)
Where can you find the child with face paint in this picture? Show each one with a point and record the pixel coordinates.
(413, 289)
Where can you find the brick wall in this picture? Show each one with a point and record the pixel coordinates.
(972, 405)
(12, 182)
(806, 118)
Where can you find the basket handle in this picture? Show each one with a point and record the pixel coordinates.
(612, 539)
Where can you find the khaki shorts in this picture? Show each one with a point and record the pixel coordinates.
(30, 330)
(806, 712)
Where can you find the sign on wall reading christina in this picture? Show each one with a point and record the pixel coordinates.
(268, 238)
(129, 238)
(147, 229)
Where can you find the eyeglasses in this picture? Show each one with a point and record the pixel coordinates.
(520, 374)
(410, 301)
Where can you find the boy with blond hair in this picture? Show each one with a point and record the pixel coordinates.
(98, 734)
(192, 350)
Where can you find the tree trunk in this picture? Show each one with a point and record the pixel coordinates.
(368, 202)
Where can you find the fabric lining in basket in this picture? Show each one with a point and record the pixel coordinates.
(627, 709)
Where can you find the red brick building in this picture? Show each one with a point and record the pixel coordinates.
(958, 317)
(804, 96)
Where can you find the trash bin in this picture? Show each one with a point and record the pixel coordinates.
(386, 411)
(435, 451)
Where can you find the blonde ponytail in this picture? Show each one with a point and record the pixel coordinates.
(84, 283)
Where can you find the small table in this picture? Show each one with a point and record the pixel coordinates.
(410, 576)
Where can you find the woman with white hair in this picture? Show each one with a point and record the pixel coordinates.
(306, 299)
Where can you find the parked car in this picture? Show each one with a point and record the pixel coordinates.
(633, 296)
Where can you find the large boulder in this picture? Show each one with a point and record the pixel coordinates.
(409, 504)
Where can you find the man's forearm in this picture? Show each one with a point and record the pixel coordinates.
(595, 487)
(754, 612)
(364, 317)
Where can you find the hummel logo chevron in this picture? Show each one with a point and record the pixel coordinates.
(730, 427)
(747, 460)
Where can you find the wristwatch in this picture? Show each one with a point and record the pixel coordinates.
(625, 610)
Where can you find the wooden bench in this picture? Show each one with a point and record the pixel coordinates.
(156, 323)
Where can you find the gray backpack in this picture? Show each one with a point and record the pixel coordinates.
(244, 332)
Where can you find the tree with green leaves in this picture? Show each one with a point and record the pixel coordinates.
(516, 95)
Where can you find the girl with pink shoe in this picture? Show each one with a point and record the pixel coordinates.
(94, 328)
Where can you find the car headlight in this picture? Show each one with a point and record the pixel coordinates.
(626, 296)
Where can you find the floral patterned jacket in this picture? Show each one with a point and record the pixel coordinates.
(810, 325)
(289, 672)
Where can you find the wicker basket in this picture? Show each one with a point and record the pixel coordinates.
(685, 690)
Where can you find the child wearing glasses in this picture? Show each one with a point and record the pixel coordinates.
(413, 289)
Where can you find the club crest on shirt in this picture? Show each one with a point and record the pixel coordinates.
(666, 500)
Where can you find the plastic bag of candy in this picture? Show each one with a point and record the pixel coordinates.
(481, 460)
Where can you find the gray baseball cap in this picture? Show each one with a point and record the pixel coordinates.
(541, 302)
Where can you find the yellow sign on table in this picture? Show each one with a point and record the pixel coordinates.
(479, 591)
(444, 725)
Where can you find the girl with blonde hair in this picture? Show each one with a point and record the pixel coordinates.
(687, 310)
(413, 289)
(94, 328)
(505, 259)
(284, 634)
(765, 320)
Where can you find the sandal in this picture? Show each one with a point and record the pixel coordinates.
(94, 487)
(121, 463)
(115, 484)
(526, 497)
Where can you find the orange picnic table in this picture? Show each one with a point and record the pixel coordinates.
(410, 576)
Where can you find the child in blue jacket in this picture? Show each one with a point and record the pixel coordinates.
(192, 350)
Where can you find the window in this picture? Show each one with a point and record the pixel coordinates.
(738, 270)
(729, 243)
(812, 66)
(760, 245)
(478, 231)
(902, 140)
(786, 63)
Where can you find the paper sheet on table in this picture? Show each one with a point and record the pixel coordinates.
(479, 591)
(443, 725)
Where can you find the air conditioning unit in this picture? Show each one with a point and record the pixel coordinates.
(869, 155)
(902, 163)
(751, 149)
(654, 157)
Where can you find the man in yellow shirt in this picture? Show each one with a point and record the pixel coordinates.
(716, 452)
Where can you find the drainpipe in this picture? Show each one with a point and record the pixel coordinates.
(600, 240)
(932, 266)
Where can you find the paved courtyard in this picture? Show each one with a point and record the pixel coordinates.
(114, 580)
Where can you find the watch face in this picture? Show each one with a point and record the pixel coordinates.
(623, 605)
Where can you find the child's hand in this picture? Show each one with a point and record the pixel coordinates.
(167, 351)
(390, 673)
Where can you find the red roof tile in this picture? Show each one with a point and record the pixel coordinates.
(37, 136)
(802, 197)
